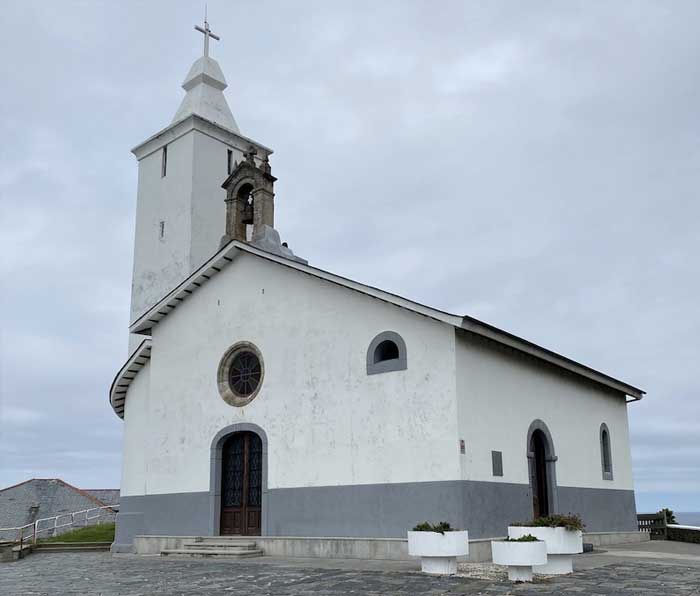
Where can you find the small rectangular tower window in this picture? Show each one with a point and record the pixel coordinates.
(161, 230)
(164, 162)
(229, 162)
(497, 463)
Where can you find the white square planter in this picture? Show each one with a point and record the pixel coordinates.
(519, 557)
(438, 552)
(562, 544)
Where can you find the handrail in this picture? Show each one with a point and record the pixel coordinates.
(36, 530)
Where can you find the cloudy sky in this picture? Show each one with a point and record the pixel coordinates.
(535, 165)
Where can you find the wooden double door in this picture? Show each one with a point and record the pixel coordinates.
(241, 485)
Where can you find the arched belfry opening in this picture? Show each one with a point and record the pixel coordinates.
(246, 204)
(542, 469)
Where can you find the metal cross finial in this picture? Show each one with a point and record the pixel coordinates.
(207, 33)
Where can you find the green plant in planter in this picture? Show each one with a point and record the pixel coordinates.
(570, 522)
(526, 538)
(670, 516)
(440, 527)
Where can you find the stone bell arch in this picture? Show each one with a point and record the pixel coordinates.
(250, 199)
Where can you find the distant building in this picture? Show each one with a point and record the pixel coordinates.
(41, 498)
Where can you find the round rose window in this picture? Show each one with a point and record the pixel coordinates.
(240, 374)
(245, 373)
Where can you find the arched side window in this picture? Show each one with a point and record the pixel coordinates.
(386, 353)
(605, 454)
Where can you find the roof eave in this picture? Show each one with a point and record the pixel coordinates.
(503, 337)
(121, 383)
(228, 253)
(175, 130)
(170, 301)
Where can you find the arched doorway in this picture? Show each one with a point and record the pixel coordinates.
(241, 484)
(541, 463)
(538, 478)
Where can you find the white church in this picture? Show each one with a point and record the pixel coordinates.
(266, 397)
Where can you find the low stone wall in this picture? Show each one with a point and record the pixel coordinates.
(683, 533)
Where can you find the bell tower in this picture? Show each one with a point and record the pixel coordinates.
(181, 208)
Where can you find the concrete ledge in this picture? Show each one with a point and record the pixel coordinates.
(389, 549)
(610, 538)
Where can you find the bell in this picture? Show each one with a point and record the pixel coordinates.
(247, 216)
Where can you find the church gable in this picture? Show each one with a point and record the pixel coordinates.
(311, 338)
(259, 294)
(232, 250)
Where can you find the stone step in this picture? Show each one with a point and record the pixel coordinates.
(221, 539)
(227, 548)
(58, 545)
(69, 547)
(12, 553)
(226, 539)
(205, 552)
(219, 544)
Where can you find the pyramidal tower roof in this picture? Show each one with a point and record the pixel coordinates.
(205, 84)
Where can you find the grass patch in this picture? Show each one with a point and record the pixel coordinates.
(97, 533)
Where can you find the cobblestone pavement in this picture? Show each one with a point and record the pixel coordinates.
(58, 574)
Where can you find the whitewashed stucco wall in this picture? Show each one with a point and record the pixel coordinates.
(327, 422)
(135, 438)
(501, 393)
(161, 263)
(209, 206)
(190, 202)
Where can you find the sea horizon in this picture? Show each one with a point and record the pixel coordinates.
(688, 518)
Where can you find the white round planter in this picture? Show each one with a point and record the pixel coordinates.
(520, 557)
(438, 552)
(562, 544)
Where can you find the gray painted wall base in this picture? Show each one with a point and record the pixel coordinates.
(128, 526)
(389, 510)
(174, 514)
(602, 510)
(376, 510)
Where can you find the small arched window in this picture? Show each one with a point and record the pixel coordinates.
(386, 352)
(605, 454)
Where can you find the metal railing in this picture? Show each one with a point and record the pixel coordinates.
(654, 524)
(84, 517)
